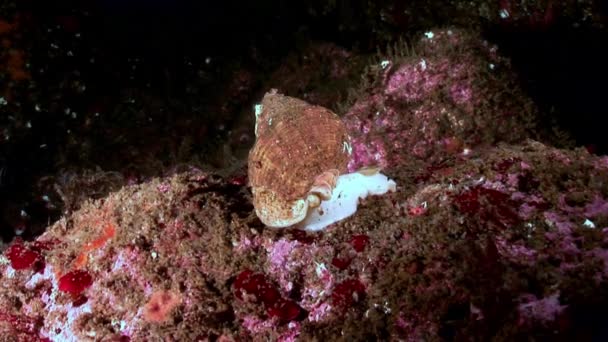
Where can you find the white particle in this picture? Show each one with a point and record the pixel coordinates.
(37, 108)
(258, 111)
(504, 14)
(154, 255)
(423, 64)
(3, 101)
(429, 34)
(320, 269)
(492, 66)
(384, 64)
(346, 147)
(588, 223)
(207, 60)
(28, 124)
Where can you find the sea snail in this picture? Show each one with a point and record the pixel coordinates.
(298, 163)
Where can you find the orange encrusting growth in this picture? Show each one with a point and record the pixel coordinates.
(109, 232)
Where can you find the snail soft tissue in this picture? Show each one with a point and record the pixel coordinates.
(345, 197)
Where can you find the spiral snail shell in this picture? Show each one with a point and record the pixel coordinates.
(299, 152)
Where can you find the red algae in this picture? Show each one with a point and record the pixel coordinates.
(75, 282)
(256, 286)
(359, 242)
(348, 292)
(29, 255)
(21, 257)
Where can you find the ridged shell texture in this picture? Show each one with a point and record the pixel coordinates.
(296, 142)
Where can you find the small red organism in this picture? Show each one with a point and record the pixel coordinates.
(28, 256)
(79, 300)
(285, 310)
(22, 257)
(416, 211)
(255, 287)
(489, 205)
(359, 242)
(160, 305)
(239, 180)
(75, 282)
(348, 292)
(341, 263)
(302, 236)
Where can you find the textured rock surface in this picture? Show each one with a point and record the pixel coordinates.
(507, 240)
(455, 93)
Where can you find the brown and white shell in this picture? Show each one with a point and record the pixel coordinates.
(297, 143)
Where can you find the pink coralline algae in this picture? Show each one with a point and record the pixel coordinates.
(544, 310)
(489, 235)
(436, 103)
